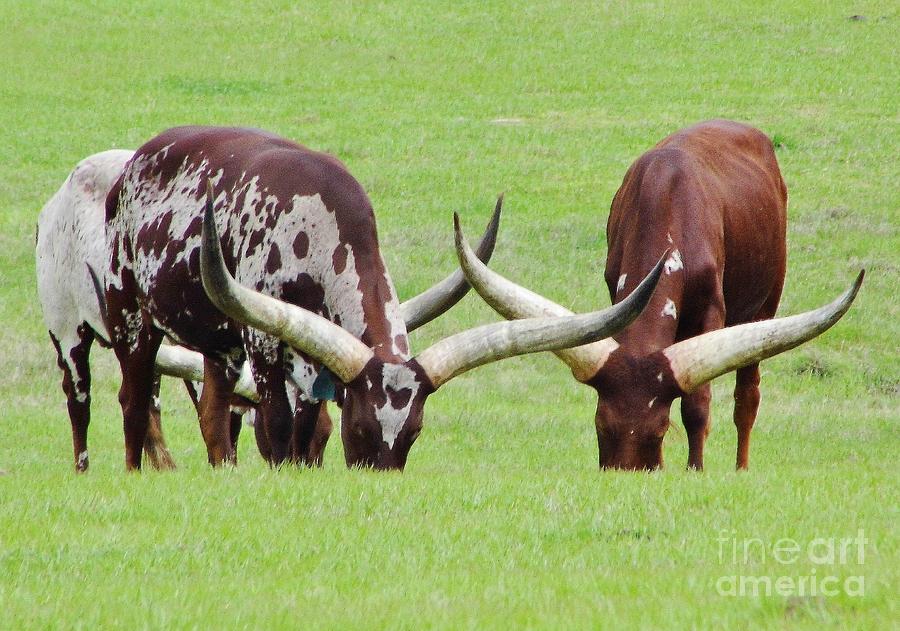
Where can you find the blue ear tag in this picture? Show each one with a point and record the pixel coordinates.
(323, 386)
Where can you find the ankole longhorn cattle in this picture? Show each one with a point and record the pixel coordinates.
(71, 239)
(311, 293)
(71, 236)
(714, 196)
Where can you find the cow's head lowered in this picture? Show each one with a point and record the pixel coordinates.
(635, 391)
(383, 400)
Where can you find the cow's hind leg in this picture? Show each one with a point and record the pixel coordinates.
(746, 404)
(155, 443)
(72, 357)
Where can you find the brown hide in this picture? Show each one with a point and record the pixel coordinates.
(714, 195)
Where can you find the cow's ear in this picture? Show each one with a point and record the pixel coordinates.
(323, 387)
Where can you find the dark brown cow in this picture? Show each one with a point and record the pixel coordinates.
(711, 194)
(312, 292)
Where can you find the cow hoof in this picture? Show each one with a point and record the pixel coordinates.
(82, 462)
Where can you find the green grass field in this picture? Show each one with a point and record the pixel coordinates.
(502, 519)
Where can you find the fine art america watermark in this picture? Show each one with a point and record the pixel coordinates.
(824, 566)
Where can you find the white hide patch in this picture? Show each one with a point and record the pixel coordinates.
(310, 216)
(82, 458)
(395, 377)
(621, 284)
(669, 310)
(71, 235)
(652, 401)
(300, 373)
(674, 262)
(669, 237)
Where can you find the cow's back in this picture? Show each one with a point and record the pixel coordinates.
(70, 237)
(294, 224)
(714, 193)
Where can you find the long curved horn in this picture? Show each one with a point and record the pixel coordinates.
(513, 302)
(490, 342)
(177, 361)
(319, 338)
(700, 359)
(431, 303)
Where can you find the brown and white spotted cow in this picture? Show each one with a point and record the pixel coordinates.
(299, 231)
(71, 240)
(713, 195)
(71, 237)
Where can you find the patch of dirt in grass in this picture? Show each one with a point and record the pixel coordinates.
(814, 367)
(805, 607)
(883, 385)
(508, 121)
(841, 218)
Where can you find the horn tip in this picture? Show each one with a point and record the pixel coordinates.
(210, 250)
(657, 269)
(851, 293)
(495, 217)
(462, 246)
(209, 219)
(494, 222)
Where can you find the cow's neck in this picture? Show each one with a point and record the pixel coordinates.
(658, 324)
(385, 331)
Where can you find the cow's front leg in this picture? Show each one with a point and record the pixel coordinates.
(312, 428)
(746, 405)
(235, 420)
(277, 420)
(273, 413)
(262, 440)
(695, 406)
(215, 411)
(236, 416)
(695, 417)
